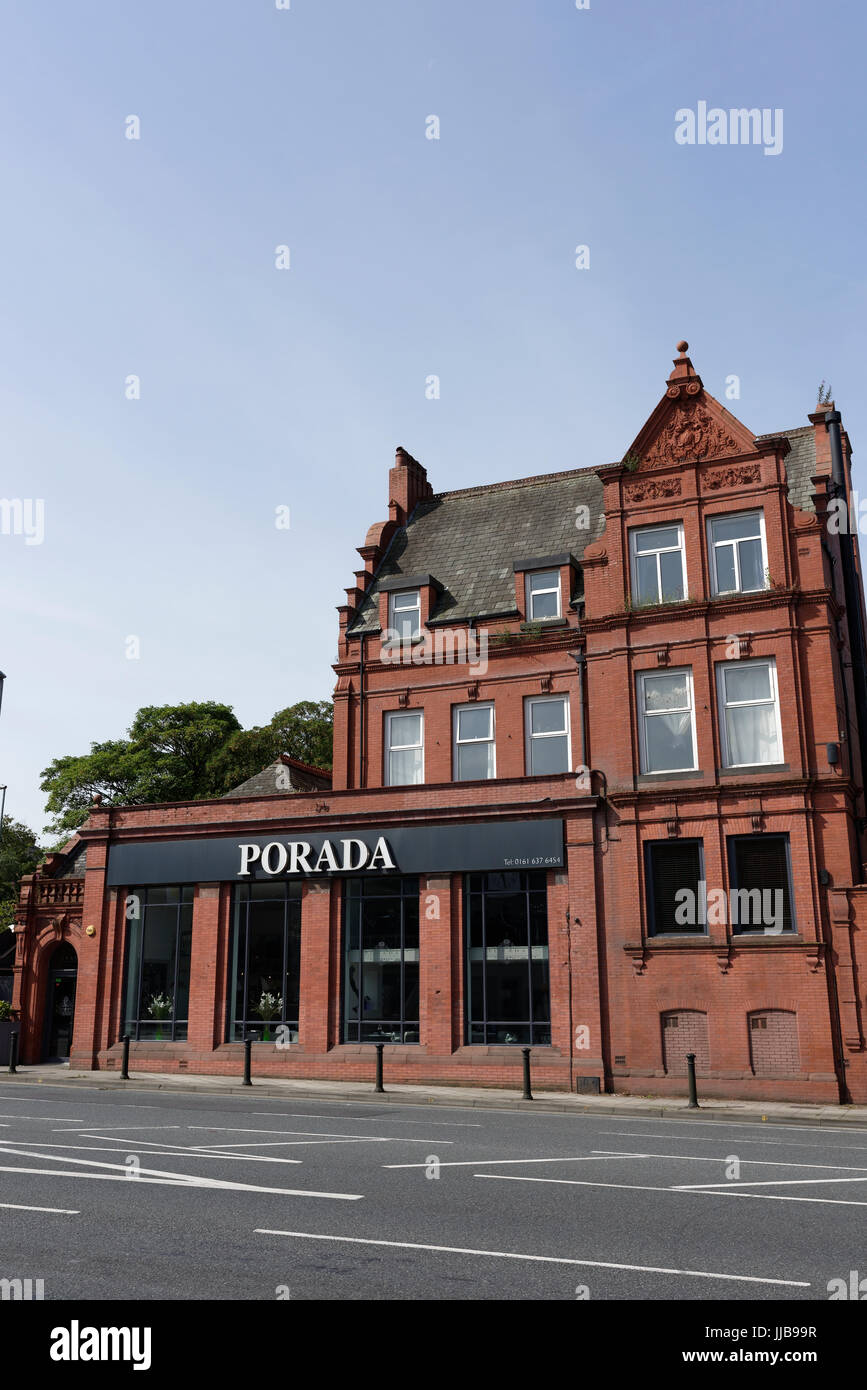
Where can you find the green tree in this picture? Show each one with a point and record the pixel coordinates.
(304, 731)
(181, 753)
(19, 854)
(164, 758)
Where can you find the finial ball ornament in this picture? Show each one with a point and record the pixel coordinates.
(682, 345)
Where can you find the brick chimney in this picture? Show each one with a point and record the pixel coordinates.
(407, 486)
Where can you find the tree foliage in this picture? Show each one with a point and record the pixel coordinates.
(19, 854)
(181, 753)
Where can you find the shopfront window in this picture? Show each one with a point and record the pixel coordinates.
(158, 949)
(506, 923)
(380, 975)
(265, 962)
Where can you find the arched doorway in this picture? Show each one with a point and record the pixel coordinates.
(60, 1004)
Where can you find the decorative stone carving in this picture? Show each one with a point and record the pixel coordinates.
(651, 490)
(732, 477)
(690, 432)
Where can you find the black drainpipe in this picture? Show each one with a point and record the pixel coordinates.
(852, 597)
(581, 663)
(857, 648)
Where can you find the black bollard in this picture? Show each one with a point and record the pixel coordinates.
(124, 1066)
(525, 1053)
(690, 1071)
(13, 1051)
(379, 1088)
(248, 1060)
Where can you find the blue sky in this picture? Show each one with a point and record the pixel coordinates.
(409, 257)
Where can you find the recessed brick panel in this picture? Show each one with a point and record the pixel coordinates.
(773, 1036)
(683, 1031)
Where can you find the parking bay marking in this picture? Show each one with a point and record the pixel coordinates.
(96, 1125)
(319, 1134)
(371, 1119)
(705, 1191)
(844, 1128)
(57, 1211)
(536, 1259)
(754, 1162)
(485, 1162)
(180, 1151)
(121, 1173)
(714, 1139)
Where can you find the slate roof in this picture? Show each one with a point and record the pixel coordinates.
(76, 863)
(286, 776)
(470, 541)
(800, 465)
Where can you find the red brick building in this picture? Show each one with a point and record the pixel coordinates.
(598, 787)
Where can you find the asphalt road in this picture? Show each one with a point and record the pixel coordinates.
(162, 1196)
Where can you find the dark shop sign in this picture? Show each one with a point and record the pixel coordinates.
(530, 844)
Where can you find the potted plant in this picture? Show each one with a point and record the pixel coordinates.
(160, 1007)
(6, 1028)
(269, 1006)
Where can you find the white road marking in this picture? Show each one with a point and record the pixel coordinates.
(722, 1124)
(58, 1211)
(768, 1182)
(180, 1151)
(706, 1191)
(371, 1119)
(581, 1182)
(772, 1197)
(110, 1139)
(179, 1181)
(484, 1162)
(320, 1134)
(712, 1139)
(753, 1162)
(31, 1100)
(289, 1143)
(175, 1179)
(537, 1259)
(115, 1129)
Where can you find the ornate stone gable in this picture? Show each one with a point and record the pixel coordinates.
(691, 433)
(688, 425)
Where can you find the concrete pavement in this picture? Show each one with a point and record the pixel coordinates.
(475, 1097)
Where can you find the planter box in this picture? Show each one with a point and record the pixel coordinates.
(6, 1031)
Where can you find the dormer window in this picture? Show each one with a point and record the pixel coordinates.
(404, 614)
(543, 596)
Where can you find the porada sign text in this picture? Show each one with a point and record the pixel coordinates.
(294, 857)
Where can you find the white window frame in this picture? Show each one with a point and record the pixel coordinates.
(530, 737)
(552, 589)
(723, 704)
(643, 714)
(395, 614)
(390, 747)
(713, 545)
(637, 531)
(458, 742)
